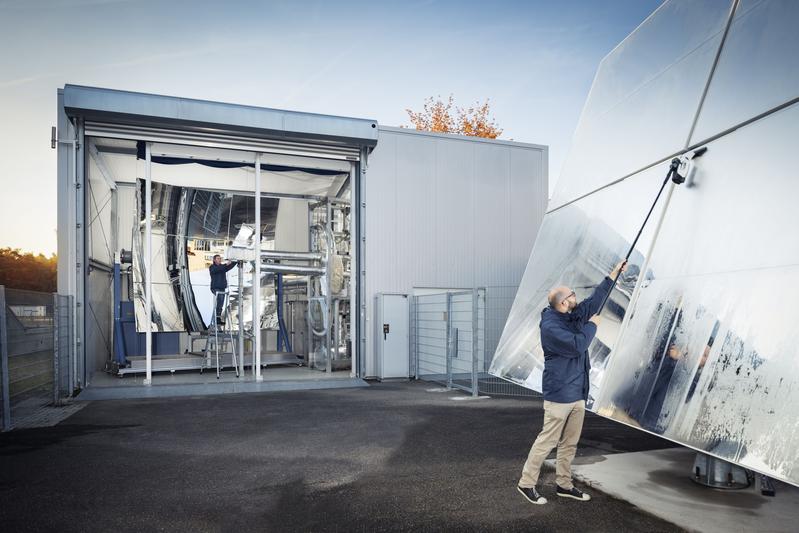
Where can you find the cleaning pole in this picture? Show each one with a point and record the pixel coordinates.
(682, 162)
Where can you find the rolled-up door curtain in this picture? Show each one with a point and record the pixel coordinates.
(161, 160)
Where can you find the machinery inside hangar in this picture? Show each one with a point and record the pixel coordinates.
(286, 304)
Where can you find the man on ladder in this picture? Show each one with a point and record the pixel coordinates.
(219, 272)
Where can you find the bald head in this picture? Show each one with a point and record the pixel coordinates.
(562, 299)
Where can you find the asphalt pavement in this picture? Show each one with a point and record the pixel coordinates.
(390, 457)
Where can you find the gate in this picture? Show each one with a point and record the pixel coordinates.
(448, 338)
(446, 325)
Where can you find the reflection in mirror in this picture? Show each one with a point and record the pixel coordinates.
(700, 363)
(577, 246)
(708, 355)
(189, 227)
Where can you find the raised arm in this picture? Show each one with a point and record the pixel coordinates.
(590, 306)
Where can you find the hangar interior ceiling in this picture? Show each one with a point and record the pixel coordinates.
(698, 341)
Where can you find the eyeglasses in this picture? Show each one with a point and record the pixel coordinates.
(569, 296)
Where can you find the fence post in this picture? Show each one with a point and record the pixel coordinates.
(4, 361)
(56, 379)
(475, 341)
(414, 333)
(448, 350)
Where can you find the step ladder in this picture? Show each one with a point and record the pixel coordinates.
(221, 334)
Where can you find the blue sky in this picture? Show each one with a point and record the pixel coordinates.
(535, 60)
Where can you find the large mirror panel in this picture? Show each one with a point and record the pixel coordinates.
(758, 69)
(645, 96)
(577, 246)
(189, 227)
(709, 356)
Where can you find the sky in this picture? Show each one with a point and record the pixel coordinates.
(535, 60)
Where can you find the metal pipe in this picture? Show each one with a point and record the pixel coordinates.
(293, 269)
(307, 256)
(256, 323)
(310, 361)
(361, 310)
(336, 326)
(353, 285)
(308, 333)
(241, 318)
(148, 272)
(281, 332)
(328, 280)
(253, 305)
(295, 282)
(290, 303)
(80, 250)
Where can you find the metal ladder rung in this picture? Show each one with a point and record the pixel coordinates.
(227, 334)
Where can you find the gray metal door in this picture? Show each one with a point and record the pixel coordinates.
(393, 349)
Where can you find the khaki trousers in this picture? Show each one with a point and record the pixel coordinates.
(563, 423)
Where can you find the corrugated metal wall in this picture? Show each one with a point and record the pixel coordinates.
(450, 212)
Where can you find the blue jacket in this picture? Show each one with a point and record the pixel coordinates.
(565, 338)
(219, 276)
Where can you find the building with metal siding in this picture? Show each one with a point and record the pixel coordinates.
(431, 210)
(445, 211)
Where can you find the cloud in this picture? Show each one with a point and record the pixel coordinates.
(319, 73)
(21, 81)
(140, 60)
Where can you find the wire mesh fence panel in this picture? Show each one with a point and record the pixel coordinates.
(430, 336)
(62, 347)
(29, 341)
(29, 309)
(468, 327)
(448, 337)
(498, 303)
(29, 337)
(455, 335)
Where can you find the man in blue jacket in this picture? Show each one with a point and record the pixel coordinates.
(567, 329)
(219, 284)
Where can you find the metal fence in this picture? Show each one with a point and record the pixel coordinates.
(454, 335)
(64, 370)
(499, 300)
(31, 326)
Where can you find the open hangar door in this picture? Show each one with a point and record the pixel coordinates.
(202, 203)
(152, 187)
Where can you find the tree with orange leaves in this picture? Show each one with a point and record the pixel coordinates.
(437, 115)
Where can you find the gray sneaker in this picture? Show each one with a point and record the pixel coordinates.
(532, 495)
(573, 493)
